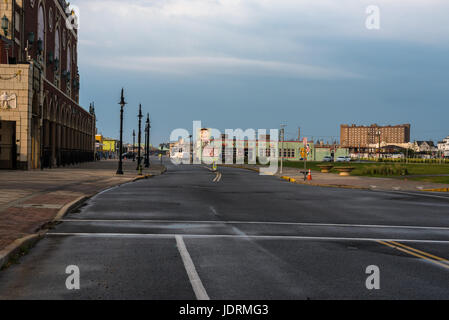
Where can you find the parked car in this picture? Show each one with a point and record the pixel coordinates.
(343, 159)
(327, 159)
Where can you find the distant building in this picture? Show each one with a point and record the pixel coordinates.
(443, 147)
(110, 145)
(424, 147)
(106, 148)
(374, 136)
(239, 151)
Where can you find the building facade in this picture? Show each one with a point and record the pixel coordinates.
(374, 136)
(443, 147)
(41, 121)
(424, 147)
(241, 151)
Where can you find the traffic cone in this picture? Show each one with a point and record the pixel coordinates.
(309, 176)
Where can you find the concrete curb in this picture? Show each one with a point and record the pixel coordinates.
(293, 180)
(15, 247)
(341, 186)
(146, 176)
(437, 190)
(29, 240)
(239, 167)
(69, 206)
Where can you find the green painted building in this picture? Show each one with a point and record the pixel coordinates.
(292, 151)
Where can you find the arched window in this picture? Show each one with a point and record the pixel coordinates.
(69, 58)
(57, 45)
(41, 27)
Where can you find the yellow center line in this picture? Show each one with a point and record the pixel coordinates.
(419, 251)
(413, 253)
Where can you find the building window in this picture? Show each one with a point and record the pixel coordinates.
(64, 39)
(57, 46)
(50, 19)
(69, 59)
(17, 22)
(41, 29)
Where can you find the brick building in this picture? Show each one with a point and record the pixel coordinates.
(41, 121)
(373, 136)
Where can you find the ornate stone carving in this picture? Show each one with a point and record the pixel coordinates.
(8, 101)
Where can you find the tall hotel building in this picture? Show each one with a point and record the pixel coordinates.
(362, 137)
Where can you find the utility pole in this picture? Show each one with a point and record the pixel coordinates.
(299, 134)
(139, 138)
(379, 135)
(282, 137)
(191, 150)
(147, 142)
(134, 145)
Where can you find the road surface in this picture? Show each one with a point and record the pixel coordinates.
(195, 234)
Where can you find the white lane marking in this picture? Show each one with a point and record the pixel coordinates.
(194, 278)
(261, 222)
(217, 177)
(213, 211)
(420, 194)
(205, 236)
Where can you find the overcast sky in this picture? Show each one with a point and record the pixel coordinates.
(259, 63)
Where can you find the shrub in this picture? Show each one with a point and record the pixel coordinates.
(385, 170)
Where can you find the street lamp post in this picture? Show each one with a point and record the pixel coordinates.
(147, 142)
(122, 104)
(134, 145)
(379, 133)
(282, 136)
(139, 138)
(191, 150)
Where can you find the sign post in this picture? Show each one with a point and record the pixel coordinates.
(305, 153)
(160, 154)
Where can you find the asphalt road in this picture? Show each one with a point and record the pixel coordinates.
(183, 235)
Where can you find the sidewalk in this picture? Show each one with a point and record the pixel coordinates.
(31, 199)
(357, 182)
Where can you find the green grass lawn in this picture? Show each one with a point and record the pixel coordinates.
(431, 179)
(360, 169)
